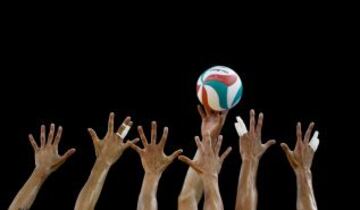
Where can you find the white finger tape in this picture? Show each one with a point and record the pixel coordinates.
(124, 132)
(240, 126)
(314, 142)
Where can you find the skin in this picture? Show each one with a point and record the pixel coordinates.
(251, 151)
(208, 166)
(300, 160)
(192, 190)
(47, 160)
(107, 150)
(154, 162)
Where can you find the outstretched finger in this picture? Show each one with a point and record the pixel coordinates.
(175, 154)
(287, 151)
(125, 125)
(308, 132)
(93, 135)
(51, 134)
(298, 133)
(42, 135)
(33, 143)
(58, 135)
(111, 123)
(259, 124)
(153, 132)
(190, 163)
(201, 111)
(133, 146)
(207, 110)
(66, 156)
(218, 144)
(225, 154)
(269, 143)
(164, 137)
(199, 144)
(252, 120)
(142, 136)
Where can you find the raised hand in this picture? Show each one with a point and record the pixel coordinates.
(250, 144)
(47, 158)
(208, 166)
(209, 161)
(153, 158)
(107, 150)
(251, 150)
(302, 156)
(300, 160)
(154, 162)
(112, 146)
(212, 121)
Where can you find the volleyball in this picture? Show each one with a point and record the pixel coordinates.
(219, 88)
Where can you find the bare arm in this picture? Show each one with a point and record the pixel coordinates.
(247, 193)
(251, 150)
(147, 197)
(300, 160)
(192, 190)
(154, 162)
(47, 160)
(305, 193)
(208, 166)
(213, 199)
(90, 193)
(108, 151)
(26, 196)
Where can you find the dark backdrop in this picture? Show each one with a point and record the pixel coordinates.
(74, 78)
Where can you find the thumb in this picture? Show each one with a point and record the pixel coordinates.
(270, 143)
(68, 153)
(64, 157)
(175, 154)
(190, 163)
(287, 150)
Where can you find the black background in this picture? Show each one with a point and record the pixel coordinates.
(75, 73)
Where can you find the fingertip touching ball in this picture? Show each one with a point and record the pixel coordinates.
(219, 88)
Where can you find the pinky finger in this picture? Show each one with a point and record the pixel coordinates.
(33, 143)
(226, 153)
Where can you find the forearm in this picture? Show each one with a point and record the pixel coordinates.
(26, 196)
(305, 194)
(90, 193)
(213, 199)
(192, 190)
(246, 198)
(147, 197)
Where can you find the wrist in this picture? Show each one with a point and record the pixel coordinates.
(303, 173)
(209, 177)
(254, 161)
(41, 173)
(109, 158)
(151, 180)
(103, 163)
(213, 134)
(210, 183)
(152, 175)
